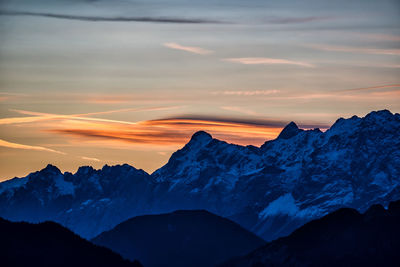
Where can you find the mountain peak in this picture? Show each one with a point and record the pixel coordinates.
(289, 131)
(201, 137)
(51, 169)
(83, 170)
(381, 114)
(201, 134)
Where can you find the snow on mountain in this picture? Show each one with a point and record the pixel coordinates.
(271, 190)
(88, 202)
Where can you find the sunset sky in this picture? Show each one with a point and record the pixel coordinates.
(86, 82)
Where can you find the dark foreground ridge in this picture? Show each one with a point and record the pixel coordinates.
(180, 238)
(50, 244)
(342, 238)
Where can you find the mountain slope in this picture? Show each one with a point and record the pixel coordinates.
(270, 190)
(88, 202)
(50, 244)
(297, 177)
(342, 238)
(181, 238)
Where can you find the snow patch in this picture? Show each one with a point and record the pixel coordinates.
(381, 179)
(64, 187)
(285, 204)
(86, 202)
(13, 183)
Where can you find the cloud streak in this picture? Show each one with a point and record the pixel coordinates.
(7, 144)
(91, 159)
(175, 131)
(247, 93)
(361, 50)
(240, 110)
(371, 88)
(267, 61)
(39, 116)
(190, 49)
(110, 19)
(293, 20)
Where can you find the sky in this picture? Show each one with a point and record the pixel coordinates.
(86, 82)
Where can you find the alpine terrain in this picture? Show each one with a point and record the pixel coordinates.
(270, 190)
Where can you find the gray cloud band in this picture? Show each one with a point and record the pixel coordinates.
(111, 19)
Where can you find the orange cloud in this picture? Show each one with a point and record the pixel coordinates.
(4, 143)
(267, 61)
(191, 49)
(161, 132)
(173, 131)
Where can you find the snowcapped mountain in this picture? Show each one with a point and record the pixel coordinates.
(299, 176)
(87, 202)
(270, 190)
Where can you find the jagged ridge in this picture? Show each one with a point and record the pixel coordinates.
(271, 190)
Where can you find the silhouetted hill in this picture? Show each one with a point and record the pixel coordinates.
(50, 244)
(181, 238)
(341, 238)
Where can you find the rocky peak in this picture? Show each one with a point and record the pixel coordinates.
(50, 169)
(289, 131)
(200, 138)
(84, 170)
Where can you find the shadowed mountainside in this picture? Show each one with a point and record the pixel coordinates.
(181, 238)
(341, 238)
(50, 244)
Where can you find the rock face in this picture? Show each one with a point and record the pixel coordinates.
(86, 202)
(270, 190)
(182, 238)
(342, 238)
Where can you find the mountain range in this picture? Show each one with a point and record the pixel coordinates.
(270, 190)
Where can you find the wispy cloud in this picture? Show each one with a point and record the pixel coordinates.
(6, 96)
(90, 159)
(361, 50)
(175, 131)
(47, 116)
(387, 86)
(247, 93)
(109, 19)
(295, 20)
(40, 116)
(191, 49)
(4, 143)
(241, 110)
(267, 61)
(379, 37)
(165, 132)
